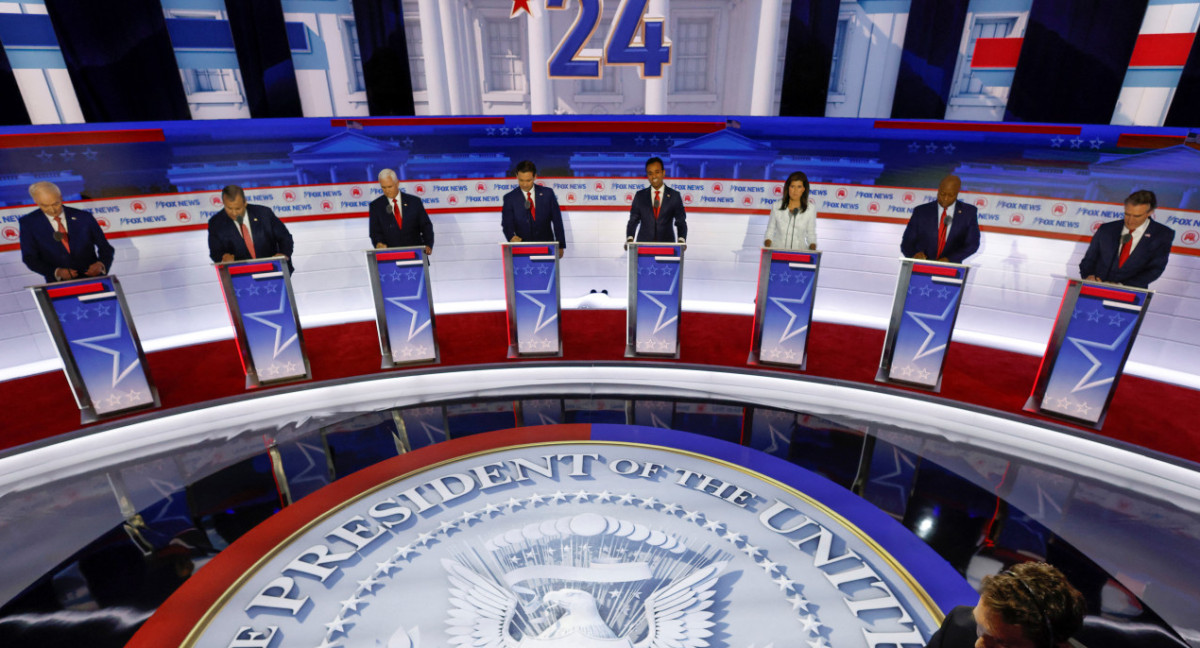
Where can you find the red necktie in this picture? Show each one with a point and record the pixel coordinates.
(247, 238)
(942, 233)
(657, 204)
(396, 212)
(1125, 248)
(532, 207)
(62, 230)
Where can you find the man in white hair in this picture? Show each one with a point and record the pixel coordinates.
(397, 219)
(60, 242)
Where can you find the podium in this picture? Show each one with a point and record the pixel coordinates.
(783, 308)
(924, 310)
(1093, 334)
(403, 306)
(531, 294)
(266, 326)
(655, 300)
(102, 357)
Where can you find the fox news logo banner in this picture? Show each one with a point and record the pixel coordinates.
(137, 215)
(587, 543)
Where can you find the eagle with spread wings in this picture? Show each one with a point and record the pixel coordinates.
(484, 614)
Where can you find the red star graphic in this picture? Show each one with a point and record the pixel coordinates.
(518, 5)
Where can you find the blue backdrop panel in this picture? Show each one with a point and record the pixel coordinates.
(384, 50)
(926, 308)
(12, 110)
(1096, 327)
(531, 277)
(655, 296)
(1073, 60)
(806, 66)
(262, 307)
(783, 312)
(1185, 105)
(404, 306)
(261, 41)
(931, 43)
(98, 344)
(120, 59)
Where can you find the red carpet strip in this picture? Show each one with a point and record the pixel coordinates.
(41, 406)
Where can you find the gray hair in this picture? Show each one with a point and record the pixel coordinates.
(388, 174)
(44, 185)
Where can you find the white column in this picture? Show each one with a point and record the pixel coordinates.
(540, 101)
(435, 63)
(656, 89)
(449, 25)
(765, 58)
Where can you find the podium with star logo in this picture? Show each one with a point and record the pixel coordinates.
(924, 310)
(403, 306)
(266, 325)
(783, 308)
(102, 357)
(655, 300)
(531, 293)
(1092, 336)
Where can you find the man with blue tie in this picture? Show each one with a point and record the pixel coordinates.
(59, 242)
(530, 212)
(240, 231)
(946, 230)
(1132, 251)
(657, 214)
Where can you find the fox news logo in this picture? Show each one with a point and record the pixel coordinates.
(138, 207)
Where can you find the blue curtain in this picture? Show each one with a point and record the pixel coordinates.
(265, 58)
(1185, 106)
(384, 49)
(811, 32)
(120, 59)
(927, 62)
(12, 109)
(1073, 60)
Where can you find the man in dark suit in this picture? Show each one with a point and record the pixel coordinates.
(59, 242)
(946, 230)
(531, 212)
(240, 231)
(657, 214)
(1132, 251)
(397, 219)
(1030, 605)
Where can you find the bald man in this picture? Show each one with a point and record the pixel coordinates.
(945, 230)
(61, 242)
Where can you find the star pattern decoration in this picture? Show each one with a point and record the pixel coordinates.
(414, 327)
(45, 156)
(915, 147)
(1076, 142)
(1095, 143)
(920, 318)
(1057, 141)
(95, 344)
(542, 319)
(660, 322)
(1084, 347)
(391, 570)
(262, 317)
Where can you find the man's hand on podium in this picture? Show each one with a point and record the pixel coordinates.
(515, 239)
(920, 256)
(95, 270)
(379, 246)
(1092, 278)
(428, 250)
(227, 257)
(560, 252)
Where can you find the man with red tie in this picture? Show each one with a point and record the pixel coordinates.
(531, 212)
(945, 230)
(60, 242)
(241, 231)
(657, 214)
(397, 219)
(1132, 251)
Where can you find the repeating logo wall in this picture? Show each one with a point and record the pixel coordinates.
(581, 544)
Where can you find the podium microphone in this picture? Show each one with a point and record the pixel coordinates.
(1125, 238)
(528, 203)
(795, 210)
(59, 236)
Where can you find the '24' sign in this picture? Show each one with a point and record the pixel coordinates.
(619, 49)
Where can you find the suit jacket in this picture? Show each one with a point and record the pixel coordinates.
(921, 233)
(671, 224)
(42, 254)
(417, 230)
(957, 630)
(1145, 263)
(270, 235)
(516, 220)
